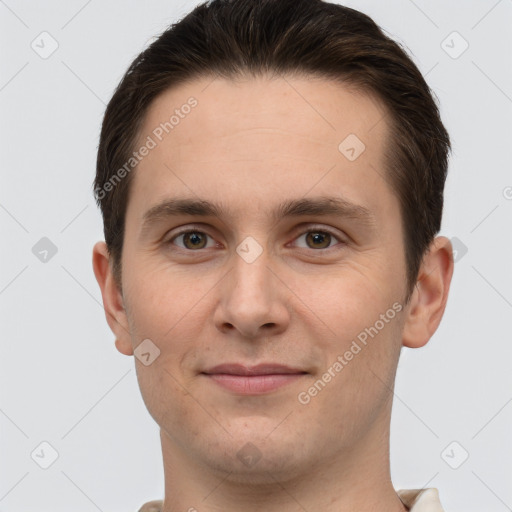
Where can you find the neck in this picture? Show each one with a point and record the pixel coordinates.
(354, 479)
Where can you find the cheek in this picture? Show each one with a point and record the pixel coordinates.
(166, 398)
(354, 387)
(357, 317)
(347, 299)
(163, 301)
(165, 309)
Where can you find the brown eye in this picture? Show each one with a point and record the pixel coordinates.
(318, 239)
(191, 240)
(194, 240)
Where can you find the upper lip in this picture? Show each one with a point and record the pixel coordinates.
(260, 369)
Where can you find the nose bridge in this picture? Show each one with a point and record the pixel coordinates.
(251, 301)
(251, 287)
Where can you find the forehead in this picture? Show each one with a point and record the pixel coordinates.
(319, 110)
(270, 136)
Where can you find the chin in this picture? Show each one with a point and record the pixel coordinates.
(257, 455)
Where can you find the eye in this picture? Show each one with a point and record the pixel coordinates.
(318, 239)
(192, 240)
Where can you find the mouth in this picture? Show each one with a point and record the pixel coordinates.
(253, 380)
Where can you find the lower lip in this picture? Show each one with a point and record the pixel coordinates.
(254, 384)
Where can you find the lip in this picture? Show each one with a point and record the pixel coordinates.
(259, 369)
(253, 380)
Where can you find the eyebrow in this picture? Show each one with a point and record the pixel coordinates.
(316, 206)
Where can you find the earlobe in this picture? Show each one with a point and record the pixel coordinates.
(113, 304)
(430, 295)
(123, 347)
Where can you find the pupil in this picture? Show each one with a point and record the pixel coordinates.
(194, 239)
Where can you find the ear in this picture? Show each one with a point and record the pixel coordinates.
(428, 300)
(113, 304)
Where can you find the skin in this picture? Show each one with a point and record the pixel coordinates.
(252, 144)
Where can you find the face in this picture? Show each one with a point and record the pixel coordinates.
(293, 275)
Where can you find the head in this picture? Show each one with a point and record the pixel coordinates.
(314, 155)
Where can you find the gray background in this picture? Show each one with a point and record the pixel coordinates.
(62, 380)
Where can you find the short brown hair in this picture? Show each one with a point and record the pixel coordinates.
(231, 38)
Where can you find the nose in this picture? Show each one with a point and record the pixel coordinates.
(252, 300)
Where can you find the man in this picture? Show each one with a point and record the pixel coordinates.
(271, 175)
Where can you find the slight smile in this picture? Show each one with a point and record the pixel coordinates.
(253, 380)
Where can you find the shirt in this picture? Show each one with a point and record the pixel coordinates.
(421, 500)
(416, 500)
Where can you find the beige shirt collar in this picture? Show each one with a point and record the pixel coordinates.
(421, 500)
(416, 500)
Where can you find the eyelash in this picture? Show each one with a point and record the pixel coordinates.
(312, 229)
